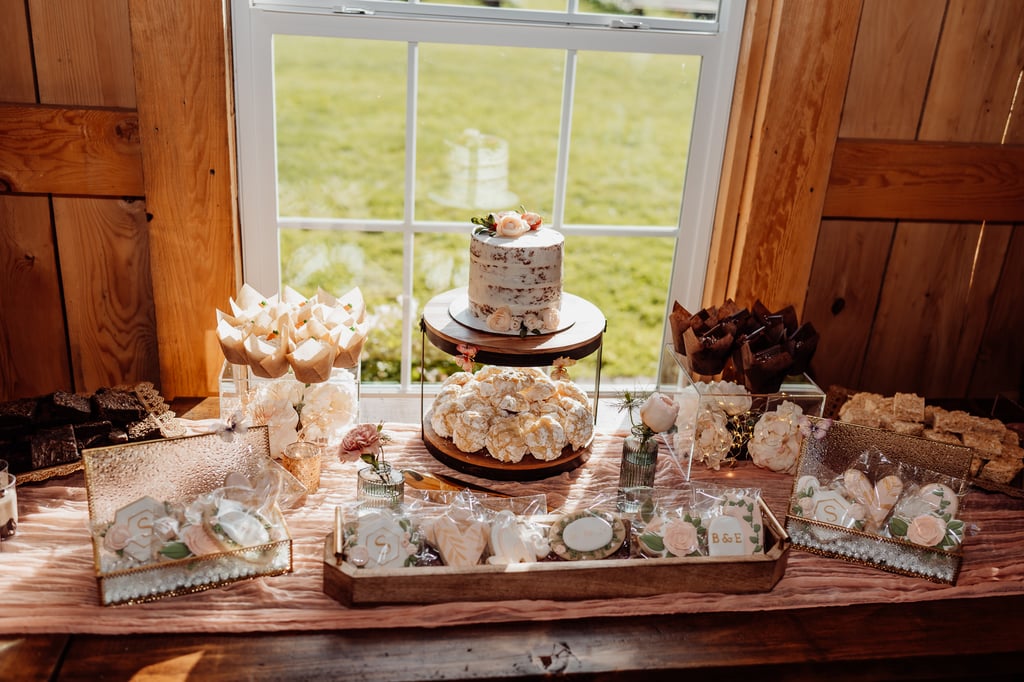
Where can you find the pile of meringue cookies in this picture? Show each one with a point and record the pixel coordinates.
(310, 336)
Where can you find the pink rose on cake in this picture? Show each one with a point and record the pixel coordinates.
(551, 318)
(500, 320)
(510, 224)
(533, 219)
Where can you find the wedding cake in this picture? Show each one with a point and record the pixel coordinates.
(515, 274)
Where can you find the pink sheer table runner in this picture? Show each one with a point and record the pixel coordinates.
(47, 584)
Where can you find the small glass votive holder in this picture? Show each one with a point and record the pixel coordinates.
(8, 504)
(303, 460)
(381, 487)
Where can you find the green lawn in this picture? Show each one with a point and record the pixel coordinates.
(341, 117)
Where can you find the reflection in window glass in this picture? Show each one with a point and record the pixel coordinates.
(488, 129)
(631, 131)
(340, 139)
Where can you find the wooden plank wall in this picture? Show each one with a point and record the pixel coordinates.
(921, 292)
(101, 284)
(883, 190)
(115, 173)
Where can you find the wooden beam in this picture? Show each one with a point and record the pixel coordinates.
(63, 150)
(941, 181)
(804, 80)
(182, 83)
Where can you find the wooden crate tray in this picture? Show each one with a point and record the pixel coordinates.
(559, 580)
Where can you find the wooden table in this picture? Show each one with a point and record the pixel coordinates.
(975, 639)
(945, 638)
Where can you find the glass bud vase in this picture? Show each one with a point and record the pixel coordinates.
(382, 487)
(639, 463)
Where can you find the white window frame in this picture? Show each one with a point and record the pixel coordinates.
(254, 24)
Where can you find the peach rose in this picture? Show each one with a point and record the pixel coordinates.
(926, 530)
(550, 318)
(510, 225)
(117, 538)
(680, 537)
(533, 220)
(500, 320)
(659, 412)
(199, 541)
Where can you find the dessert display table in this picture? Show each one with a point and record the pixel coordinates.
(582, 336)
(843, 617)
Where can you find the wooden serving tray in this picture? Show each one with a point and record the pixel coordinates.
(559, 580)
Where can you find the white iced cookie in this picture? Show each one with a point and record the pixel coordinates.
(545, 437)
(459, 542)
(940, 498)
(505, 439)
(514, 542)
(242, 528)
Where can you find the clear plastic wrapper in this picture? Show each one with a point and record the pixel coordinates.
(929, 511)
(733, 520)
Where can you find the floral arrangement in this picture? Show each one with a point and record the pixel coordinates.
(510, 224)
(296, 411)
(366, 442)
(657, 413)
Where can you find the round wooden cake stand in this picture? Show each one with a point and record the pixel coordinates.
(581, 338)
(483, 465)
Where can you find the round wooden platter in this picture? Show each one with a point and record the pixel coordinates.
(482, 465)
(578, 340)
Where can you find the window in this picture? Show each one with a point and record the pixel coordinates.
(370, 133)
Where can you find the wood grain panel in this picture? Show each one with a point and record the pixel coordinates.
(977, 69)
(756, 24)
(808, 64)
(17, 80)
(926, 181)
(33, 349)
(83, 52)
(888, 80)
(107, 291)
(49, 150)
(182, 84)
(931, 317)
(33, 339)
(1000, 364)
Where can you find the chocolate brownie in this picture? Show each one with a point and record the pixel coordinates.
(118, 406)
(54, 446)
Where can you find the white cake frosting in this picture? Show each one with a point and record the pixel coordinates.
(515, 283)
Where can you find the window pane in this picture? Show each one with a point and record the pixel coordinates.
(631, 131)
(627, 278)
(339, 261)
(441, 264)
(488, 129)
(340, 108)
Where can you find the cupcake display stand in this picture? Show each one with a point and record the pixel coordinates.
(581, 335)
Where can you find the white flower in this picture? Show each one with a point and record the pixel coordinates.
(729, 396)
(659, 412)
(775, 443)
(713, 440)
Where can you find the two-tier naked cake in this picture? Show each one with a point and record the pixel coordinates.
(515, 274)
